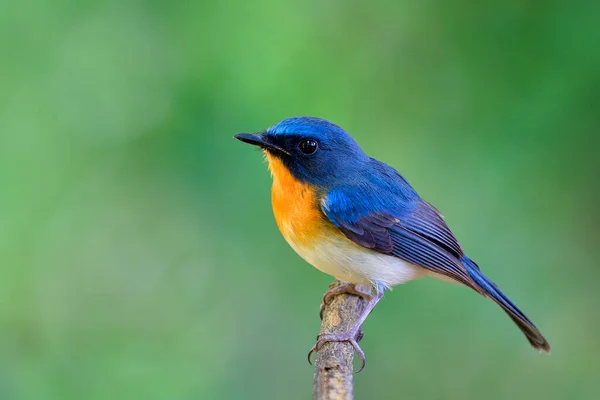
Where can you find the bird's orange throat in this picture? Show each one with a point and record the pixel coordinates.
(295, 206)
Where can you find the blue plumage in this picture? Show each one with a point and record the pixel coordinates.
(492, 291)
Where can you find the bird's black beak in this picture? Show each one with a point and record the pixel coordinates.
(260, 140)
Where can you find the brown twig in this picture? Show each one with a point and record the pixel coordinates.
(333, 378)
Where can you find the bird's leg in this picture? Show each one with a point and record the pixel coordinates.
(354, 334)
(337, 288)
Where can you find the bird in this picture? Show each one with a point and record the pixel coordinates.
(359, 220)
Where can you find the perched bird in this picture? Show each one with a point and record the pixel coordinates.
(357, 219)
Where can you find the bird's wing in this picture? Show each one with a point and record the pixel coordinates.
(410, 229)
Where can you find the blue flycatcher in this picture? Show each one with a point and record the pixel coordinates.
(359, 220)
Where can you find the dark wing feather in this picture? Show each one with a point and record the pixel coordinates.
(426, 221)
(413, 231)
(371, 231)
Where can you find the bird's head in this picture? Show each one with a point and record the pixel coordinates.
(313, 150)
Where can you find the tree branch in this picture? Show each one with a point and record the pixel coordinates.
(333, 378)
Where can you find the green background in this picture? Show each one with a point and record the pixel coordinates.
(139, 258)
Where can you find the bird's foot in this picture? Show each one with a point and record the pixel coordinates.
(337, 288)
(353, 337)
(355, 333)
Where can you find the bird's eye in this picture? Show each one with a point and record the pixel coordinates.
(308, 147)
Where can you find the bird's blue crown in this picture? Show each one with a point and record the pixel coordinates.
(338, 155)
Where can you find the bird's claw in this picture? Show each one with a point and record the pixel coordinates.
(355, 333)
(353, 339)
(336, 289)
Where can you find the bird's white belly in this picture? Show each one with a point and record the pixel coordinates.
(336, 255)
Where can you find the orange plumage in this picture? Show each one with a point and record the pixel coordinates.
(295, 206)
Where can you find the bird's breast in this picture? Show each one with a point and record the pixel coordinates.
(295, 206)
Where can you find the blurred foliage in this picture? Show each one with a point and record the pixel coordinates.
(139, 257)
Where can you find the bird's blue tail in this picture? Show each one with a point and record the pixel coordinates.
(490, 290)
